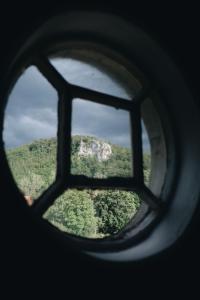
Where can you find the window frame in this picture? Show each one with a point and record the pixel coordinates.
(152, 207)
(115, 39)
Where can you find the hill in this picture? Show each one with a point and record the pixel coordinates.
(33, 167)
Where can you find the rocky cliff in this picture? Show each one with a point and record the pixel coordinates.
(101, 150)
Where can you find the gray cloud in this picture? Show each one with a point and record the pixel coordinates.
(31, 112)
(101, 121)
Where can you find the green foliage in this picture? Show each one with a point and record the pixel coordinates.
(31, 184)
(84, 213)
(74, 211)
(33, 166)
(115, 209)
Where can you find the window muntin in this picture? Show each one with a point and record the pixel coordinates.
(67, 93)
(94, 70)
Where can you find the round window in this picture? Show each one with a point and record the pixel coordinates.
(93, 139)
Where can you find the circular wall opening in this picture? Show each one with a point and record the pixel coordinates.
(136, 64)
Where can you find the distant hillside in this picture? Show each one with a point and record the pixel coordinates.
(33, 165)
(92, 214)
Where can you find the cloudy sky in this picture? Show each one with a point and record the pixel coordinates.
(31, 111)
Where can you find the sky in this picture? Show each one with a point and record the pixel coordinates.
(31, 112)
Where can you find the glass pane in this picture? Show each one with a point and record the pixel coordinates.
(101, 141)
(30, 131)
(146, 155)
(96, 71)
(93, 214)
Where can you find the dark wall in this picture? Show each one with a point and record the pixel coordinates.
(32, 259)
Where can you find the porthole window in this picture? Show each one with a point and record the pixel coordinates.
(90, 136)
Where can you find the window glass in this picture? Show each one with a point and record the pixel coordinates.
(30, 131)
(146, 155)
(101, 141)
(97, 72)
(93, 213)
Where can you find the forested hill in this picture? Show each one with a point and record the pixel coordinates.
(33, 165)
(91, 214)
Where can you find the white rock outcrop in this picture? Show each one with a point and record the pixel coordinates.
(101, 150)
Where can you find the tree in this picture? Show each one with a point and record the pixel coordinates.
(32, 184)
(75, 213)
(81, 213)
(115, 209)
